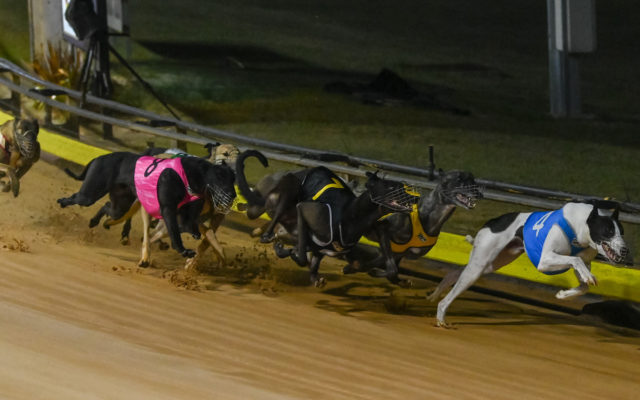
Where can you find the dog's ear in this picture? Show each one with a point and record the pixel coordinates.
(373, 174)
(593, 214)
(616, 213)
(210, 147)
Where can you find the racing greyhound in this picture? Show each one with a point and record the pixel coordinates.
(162, 186)
(218, 153)
(331, 219)
(555, 241)
(19, 150)
(276, 194)
(414, 235)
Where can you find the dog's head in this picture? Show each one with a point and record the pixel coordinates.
(219, 187)
(392, 195)
(606, 233)
(459, 188)
(25, 134)
(219, 153)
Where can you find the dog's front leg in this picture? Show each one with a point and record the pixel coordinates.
(171, 220)
(582, 270)
(391, 266)
(192, 263)
(14, 182)
(299, 254)
(551, 262)
(145, 258)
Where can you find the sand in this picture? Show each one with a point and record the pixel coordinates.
(78, 320)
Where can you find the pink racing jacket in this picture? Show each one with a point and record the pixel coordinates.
(147, 173)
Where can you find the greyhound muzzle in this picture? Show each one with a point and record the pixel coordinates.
(465, 196)
(26, 142)
(399, 200)
(221, 200)
(614, 256)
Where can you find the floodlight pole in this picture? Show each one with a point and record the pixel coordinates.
(571, 32)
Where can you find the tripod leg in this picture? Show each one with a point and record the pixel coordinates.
(86, 71)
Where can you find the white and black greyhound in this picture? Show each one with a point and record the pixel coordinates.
(555, 241)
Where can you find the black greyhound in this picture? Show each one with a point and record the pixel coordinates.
(331, 219)
(414, 235)
(115, 174)
(275, 194)
(212, 149)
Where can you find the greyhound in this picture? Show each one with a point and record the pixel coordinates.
(331, 219)
(19, 150)
(276, 194)
(162, 186)
(414, 235)
(555, 241)
(218, 153)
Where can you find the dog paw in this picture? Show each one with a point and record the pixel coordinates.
(267, 238)
(188, 253)
(589, 279)
(62, 202)
(190, 264)
(443, 324)
(124, 241)
(196, 236)
(405, 283)
(377, 273)
(280, 251)
(144, 263)
(320, 282)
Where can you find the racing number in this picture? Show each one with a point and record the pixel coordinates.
(152, 167)
(540, 223)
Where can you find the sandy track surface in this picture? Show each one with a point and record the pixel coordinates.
(78, 320)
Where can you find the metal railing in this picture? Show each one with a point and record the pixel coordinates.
(24, 84)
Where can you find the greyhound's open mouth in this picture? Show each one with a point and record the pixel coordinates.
(612, 255)
(466, 200)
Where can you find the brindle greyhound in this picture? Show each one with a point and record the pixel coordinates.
(331, 219)
(19, 150)
(414, 235)
(275, 194)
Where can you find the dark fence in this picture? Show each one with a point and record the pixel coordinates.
(111, 113)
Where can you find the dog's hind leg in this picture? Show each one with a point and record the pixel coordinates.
(145, 259)
(490, 252)
(118, 219)
(126, 231)
(314, 265)
(446, 282)
(98, 216)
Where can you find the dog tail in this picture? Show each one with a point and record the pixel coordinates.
(253, 197)
(81, 176)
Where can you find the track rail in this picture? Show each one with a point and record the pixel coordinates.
(24, 84)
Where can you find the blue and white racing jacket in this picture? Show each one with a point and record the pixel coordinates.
(535, 232)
